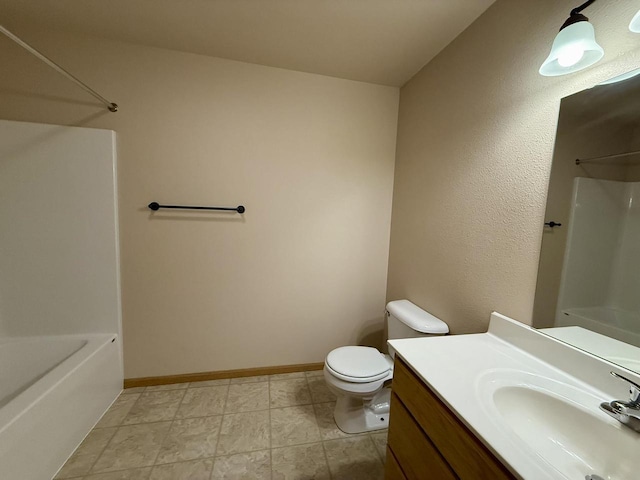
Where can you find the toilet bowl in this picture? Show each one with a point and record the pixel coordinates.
(360, 376)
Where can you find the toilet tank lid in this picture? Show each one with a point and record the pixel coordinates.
(416, 318)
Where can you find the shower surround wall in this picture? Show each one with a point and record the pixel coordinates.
(60, 325)
(58, 254)
(311, 157)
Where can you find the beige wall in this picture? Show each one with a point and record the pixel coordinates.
(475, 141)
(311, 158)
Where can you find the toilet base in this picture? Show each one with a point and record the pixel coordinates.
(357, 415)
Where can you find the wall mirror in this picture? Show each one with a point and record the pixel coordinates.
(588, 288)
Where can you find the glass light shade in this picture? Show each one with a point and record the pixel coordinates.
(622, 78)
(573, 49)
(634, 26)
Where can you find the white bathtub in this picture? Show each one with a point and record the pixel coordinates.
(52, 391)
(612, 322)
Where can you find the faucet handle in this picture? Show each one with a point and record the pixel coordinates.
(634, 388)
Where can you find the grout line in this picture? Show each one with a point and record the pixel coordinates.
(195, 384)
(375, 446)
(224, 406)
(250, 395)
(87, 475)
(310, 396)
(184, 394)
(288, 446)
(101, 450)
(242, 453)
(173, 419)
(118, 427)
(180, 461)
(214, 415)
(270, 433)
(326, 459)
(382, 459)
(143, 423)
(152, 389)
(213, 458)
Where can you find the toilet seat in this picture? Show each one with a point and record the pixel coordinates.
(358, 364)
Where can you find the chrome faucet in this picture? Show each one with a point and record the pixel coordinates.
(627, 413)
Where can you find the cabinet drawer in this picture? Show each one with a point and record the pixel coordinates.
(392, 470)
(467, 456)
(414, 451)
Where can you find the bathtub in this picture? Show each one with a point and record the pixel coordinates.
(52, 392)
(612, 322)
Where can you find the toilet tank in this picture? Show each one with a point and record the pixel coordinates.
(407, 320)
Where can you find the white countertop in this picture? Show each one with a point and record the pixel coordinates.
(457, 367)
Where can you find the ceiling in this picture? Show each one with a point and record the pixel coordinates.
(377, 41)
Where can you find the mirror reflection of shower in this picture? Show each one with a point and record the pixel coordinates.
(588, 289)
(601, 271)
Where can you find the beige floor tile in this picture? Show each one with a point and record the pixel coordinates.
(354, 458)
(286, 393)
(258, 378)
(132, 446)
(210, 383)
(306, 462)
(245, 466)
(244, 432)
(118, 410)
(293, 426)
(190, 439)
(247, 397)
(203, 402)
(155, 407)
(286, 376)
(314, 373)
(77, 465)
(324, 416)
(133, 474)
(170, 386)
(87, 453)
(319, 391)
(380, 441)
(193, 470)
(95, 442)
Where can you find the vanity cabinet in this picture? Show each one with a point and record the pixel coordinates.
(426, 440)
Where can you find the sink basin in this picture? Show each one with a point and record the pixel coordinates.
(562, 425)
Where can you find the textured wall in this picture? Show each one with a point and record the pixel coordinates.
(475, 141)
(311, 157)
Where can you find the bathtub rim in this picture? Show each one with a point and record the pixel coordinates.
(580, 317)
(20, 405)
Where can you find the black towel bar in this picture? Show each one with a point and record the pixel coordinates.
(156, 206)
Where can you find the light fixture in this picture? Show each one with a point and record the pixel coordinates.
(575, 47)
(622, 78)
(634, 26)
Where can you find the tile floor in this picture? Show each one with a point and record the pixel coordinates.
(277, 427)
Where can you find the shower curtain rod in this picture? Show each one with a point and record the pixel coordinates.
(110, 105)
(605, 157)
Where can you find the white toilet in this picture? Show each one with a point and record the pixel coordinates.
(357, 375)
